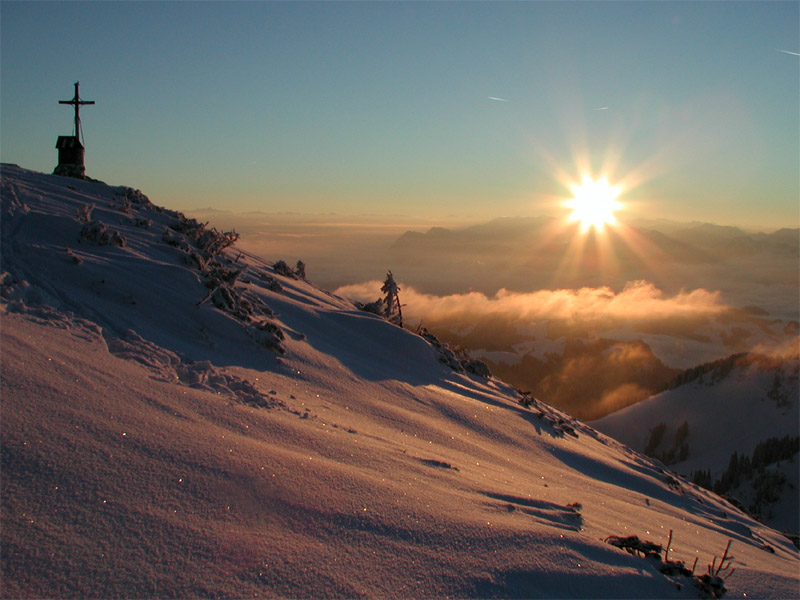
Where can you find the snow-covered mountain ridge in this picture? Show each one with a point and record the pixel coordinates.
(725, 407)
(179, 420)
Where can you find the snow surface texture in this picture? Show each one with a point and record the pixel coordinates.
(279, 442)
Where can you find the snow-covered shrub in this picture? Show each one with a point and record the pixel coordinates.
(175, 240)
(207, 240)
(269, 336)
(222, 297)
(273, 284)
(712, 583)
(525, 399)
(561, 423)
(282, 268)
(226, 296)
(117, 239)
(231, 301)
(202, 246)
(213, 241)
(136, 197)
(84, 213)
(376, 308)
(476, 367)
(217, 275)
(709, 585)
(186, 225)
(633, 545)
(457, 359)
(196, 260)
(97, 232)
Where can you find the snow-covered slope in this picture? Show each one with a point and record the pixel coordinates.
(171, 428)
(727, 406)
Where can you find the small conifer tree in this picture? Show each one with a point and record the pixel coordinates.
(391, 301)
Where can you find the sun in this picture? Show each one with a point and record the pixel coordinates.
(593, 203)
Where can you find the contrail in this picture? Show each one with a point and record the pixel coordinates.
(601, 108)
(499, 99)
(788, 52)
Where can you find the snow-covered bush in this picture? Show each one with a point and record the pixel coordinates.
(633, 545)
(84, 213)
(376, 308)
(269, 336)
(251, 313)
(175, 240)
(97, 232)
(457, 359)
(217, 275)
(186, 225)
(476, 367)
(560, 423)
(525, 399)
(281, 268)
(273, 284)
(208, 240)
(213, 241)
(133, 196)
(202, 247)
(709, 585)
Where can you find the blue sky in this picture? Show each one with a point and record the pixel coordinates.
(387, 108)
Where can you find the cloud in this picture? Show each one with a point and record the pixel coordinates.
(638, 302)
(628, 354)
(618, 398)
(614, 350)
(788, 349)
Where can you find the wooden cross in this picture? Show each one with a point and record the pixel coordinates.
(77, 102)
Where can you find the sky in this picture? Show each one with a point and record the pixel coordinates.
(433, 110)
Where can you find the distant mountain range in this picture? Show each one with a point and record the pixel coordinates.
(632, 244)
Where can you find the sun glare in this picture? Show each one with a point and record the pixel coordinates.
(593, 203)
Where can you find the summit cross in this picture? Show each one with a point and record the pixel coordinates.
(77, 102)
